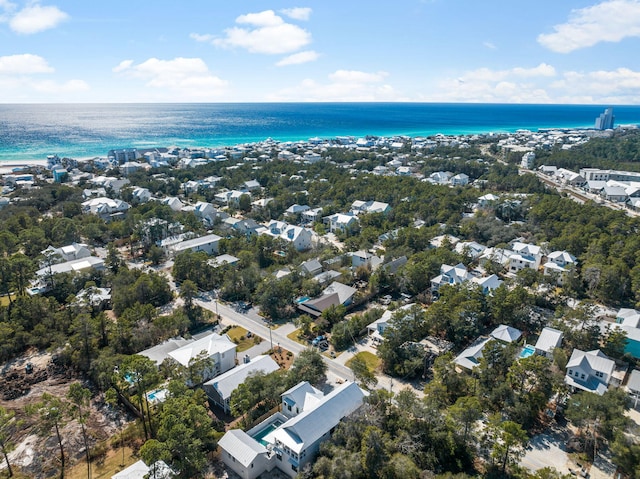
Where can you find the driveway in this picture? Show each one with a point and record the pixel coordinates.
(548, 450)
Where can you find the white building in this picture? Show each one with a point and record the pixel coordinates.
(548, 340)
(220, 349)
(589, 371)
(219, 389)
(208, 244)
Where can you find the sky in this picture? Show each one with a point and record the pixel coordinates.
(494, 51)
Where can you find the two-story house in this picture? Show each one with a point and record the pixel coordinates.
(589, 371)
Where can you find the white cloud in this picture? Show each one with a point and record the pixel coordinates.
(201, 38)
(609, 21)
(51, 86)
(24, 64)
(541, 84)
(298, 58)
(342, 85)
(35, 18)
(189, 77)
(122, 66)
(297, 13)
(489, 45)
(267, 33)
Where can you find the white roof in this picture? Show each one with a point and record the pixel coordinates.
(73, 265)
(565, 256)
(526, 249)
(469, 358)
(195, 242)
(306, 428)
(490, 282)
(139, 470)
(506, 333)
(594, 360)
(211, 344)
(243, 447)
(633, 384)
(629, 317)
(549, 338)
(304, 395)
(344, 292)
(226, 383)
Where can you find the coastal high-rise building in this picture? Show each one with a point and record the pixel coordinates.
(605, 120)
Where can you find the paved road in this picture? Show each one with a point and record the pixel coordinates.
(259, 327)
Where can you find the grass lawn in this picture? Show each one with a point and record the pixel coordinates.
(370, 359)
(239, 336)
(4, 300)
(293, 335)
(107, 469)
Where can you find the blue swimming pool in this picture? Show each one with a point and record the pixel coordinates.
(263, 433)
(302, 299)
(527, 351)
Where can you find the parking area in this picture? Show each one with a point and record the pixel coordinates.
(548, 450)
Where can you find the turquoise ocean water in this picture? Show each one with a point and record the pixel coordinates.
(31, 132)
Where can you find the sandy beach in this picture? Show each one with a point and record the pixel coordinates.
(9, 166)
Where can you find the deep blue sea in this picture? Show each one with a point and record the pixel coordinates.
(31, 132)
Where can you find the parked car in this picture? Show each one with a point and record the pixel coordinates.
(318, 340)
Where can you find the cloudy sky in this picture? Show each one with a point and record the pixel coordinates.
(567, 51)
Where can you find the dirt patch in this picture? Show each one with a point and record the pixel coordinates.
(36, 453)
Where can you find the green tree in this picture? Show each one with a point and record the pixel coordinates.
(308, 366)
(142, 373)
(7, 428)
(188, 292)
(466, 411)
(52, 413)
(80, 398)
(508, 440)
(614, 342)
(361, 372)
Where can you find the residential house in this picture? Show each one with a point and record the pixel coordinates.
(140, 195)
(222, 260)
(486, 200)
(205, 212)
(335, 294)
(370, 207)
(562, 258)
(364, 258)
(219, 349)
(294, 436)
(251, 185)
(548, 340)
(295, 210)
(615, 194)
(487, 284)
(69, 252)
(628, 320)
(299, 237)
(460, 179)
(208, 244)
(440, 177)
(219, 389)
(469, 248)
(506, 334)
(140, 470)
(106, 208)
(589, 371)
(376, 329)
(528, 251)
(633, 386)
(311, 216)
(173, 202)
(341, 222)
(470, 357)
(311, 267)
(450, 275)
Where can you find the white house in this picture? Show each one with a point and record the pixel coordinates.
(470, 357)
(589, 371)
(172, 202)
(487, 283)
(298, 236)
(69, 252)
(370, 207)
(220, 349)
(341, 222)
(376, 329)
(450, 275)
(208, 244)
(562, 258)
(141, 195)
(506, 334)
(486, 200)
(219, 389)
(528, 251)
(290, 440)
(460, 179)
(105, 208)
(469, 248)
(548, 340)
(205, 212)
(140, 470)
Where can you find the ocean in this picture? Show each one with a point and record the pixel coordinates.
(33, 131)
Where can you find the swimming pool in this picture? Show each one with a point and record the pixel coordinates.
(263, 433)
(527, 351)
(302, 299)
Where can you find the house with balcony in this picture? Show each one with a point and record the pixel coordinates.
(291, 439)
(590, 371)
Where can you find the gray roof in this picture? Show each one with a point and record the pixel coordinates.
(160, 352)
(226, 383)
(594, 360)
(211, 344)
(192, 243)
(549, 338)
(243, 447)
(634, 381)
(300, 392)
(344, 292)
(506, 333)
(309, 426)
(470, 357)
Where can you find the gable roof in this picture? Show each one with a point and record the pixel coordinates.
(594, 360)
(549, 338)
(303, 394)
(469, 358)
(244, 448)
(211, 344)
(306, 428)
(226, 383)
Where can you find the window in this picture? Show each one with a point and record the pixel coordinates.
(570, 372)
(289, 407)
(582, 376)
(279, 456)
(294, 468)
